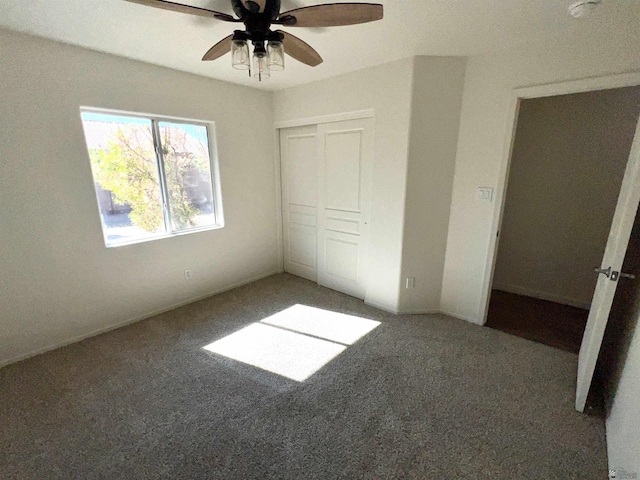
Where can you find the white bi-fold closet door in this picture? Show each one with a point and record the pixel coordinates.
(326, 193)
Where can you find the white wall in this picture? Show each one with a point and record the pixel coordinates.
(619, 366)
(58, 281)
(416, 102)
(435, 116)
(386, 89)
(566, 169)
(489, 83)
(485, 111)
(623, 422)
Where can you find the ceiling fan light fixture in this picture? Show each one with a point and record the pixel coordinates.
(261, 65)
(240, 58)
(275, 55)
(258, 16)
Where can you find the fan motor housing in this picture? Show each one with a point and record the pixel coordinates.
(257, 23)
(271, 9)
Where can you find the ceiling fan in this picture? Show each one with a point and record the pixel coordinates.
(269, 46)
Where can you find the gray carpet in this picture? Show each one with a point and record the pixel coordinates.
(418, 397)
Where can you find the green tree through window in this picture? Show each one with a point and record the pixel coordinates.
(166, 175)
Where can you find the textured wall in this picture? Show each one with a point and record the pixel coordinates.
(489, 84)
(435, 117)
(387, 90)
(59, 281)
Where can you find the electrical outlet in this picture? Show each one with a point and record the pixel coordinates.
(187, 274)
(411, 282)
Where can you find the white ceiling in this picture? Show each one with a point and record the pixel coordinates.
(410, 27)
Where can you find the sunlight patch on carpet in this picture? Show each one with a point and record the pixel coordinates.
(294, 343)
(333, 326)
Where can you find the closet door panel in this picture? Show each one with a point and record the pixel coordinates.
(345, 161)
(298, 150)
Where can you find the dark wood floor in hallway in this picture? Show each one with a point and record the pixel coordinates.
(550, 323)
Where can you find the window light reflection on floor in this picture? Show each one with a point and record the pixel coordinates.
(295, 342)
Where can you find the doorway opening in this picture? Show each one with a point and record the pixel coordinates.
(567, 165)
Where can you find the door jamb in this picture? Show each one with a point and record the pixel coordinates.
(517, 95)
(277, 164)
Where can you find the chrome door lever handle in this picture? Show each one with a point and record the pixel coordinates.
(615, 274)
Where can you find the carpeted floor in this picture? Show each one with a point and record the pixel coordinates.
(418, 397)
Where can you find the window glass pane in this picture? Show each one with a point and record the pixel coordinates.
(125, 173)
(187, 167)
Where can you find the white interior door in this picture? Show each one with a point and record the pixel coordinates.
(298, 151)
(345, 162)
(621, 226)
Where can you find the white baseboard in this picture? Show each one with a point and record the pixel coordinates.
(130, 321)
(379, 306)
(419, 312)
(528, 292)
(457, 316)
(387, 309)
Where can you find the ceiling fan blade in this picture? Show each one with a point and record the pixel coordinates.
(332, 15)
(300, 50)
(178, 7)
(219, 49)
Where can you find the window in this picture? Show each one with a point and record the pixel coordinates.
(153, 177)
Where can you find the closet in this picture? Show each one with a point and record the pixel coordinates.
(326, 191)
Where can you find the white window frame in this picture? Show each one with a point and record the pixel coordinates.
(214, 168)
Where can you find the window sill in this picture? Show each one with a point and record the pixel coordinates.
(163, 236)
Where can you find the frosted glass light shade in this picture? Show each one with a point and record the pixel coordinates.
(276, 56)
(240, 58)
